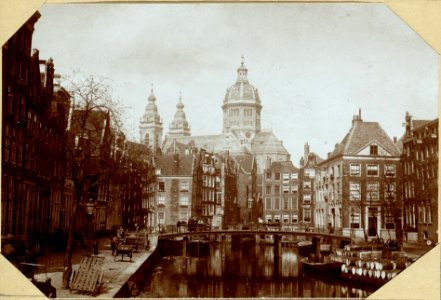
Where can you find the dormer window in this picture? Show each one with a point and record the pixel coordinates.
(374, 149)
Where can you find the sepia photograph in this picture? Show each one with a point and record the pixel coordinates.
(218, 150)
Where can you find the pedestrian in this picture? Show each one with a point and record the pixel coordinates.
(330, 228)
(113, 243)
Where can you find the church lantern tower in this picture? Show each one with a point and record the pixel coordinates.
(242, 107)
(150, 127)
(179, 126)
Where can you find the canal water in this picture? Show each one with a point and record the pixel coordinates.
(246, 271)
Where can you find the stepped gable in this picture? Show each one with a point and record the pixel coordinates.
(175, 164)
(267, 142)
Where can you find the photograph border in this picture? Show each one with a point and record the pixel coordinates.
(420, 281)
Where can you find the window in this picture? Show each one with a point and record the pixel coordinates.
(294, 176)
(294, 203)
(372, 170)
(250, 203)
(276, 203)
(268, 175)
(285, 203)
(307, 185)
(158, 171)
(355, 170)
(307, 198)
(161, 200)
(389, 220)
(267, 203)
(285, 218)
(277, 218)
(389, 170)
(355, 217)
(354, 191)
(268, 218)
(183, 216)
(277, 189)
(294, 188)
(277, 176)
(309, 173)
(161, 217)
(183, 200)
(307, 214)
(184, 186)
(268, 189)
(161, 186)
(374, 149)
(372, 191)
(285, 189)
(285, 177)
(295, 217)
(389, 192)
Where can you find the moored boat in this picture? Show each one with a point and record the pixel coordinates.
(326, 266)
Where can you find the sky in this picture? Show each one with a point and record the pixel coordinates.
(315, 65)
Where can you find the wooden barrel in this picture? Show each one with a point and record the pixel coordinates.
(370, 273)
(377, 274)
(344, 268)
(383, 274)
(360, 263)
(391, 274)
(360, 271)
(365, 272)
(353, 270)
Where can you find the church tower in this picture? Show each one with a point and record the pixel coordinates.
(150, 127)
(241, 107)
(179, 125)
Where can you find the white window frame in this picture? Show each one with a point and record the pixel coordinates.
(183, 200)
(373, 194)
(165, 186)
(307, 185)
(368, 170)
(161, 200)
(294, 176)
(351, 170)
(307, 198)
(184, 186)
(392, 168)
(354, 193)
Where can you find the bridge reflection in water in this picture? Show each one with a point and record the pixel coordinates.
(246, 271)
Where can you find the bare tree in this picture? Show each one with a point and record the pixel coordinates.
(92, 116)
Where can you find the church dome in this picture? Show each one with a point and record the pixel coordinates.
(242, 90)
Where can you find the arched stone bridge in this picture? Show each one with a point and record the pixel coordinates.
(276, 237)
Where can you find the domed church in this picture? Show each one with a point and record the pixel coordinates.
(241, 133)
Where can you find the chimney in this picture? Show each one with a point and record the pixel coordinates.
(395, 139)
(306, 152)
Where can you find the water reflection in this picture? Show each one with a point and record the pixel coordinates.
(249, 271)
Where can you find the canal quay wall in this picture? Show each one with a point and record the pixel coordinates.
(164, 247)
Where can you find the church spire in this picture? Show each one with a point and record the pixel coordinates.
(179, 125)
(150, 127)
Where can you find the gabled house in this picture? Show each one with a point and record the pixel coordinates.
(359, 183)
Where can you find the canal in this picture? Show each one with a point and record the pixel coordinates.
(246, 271)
